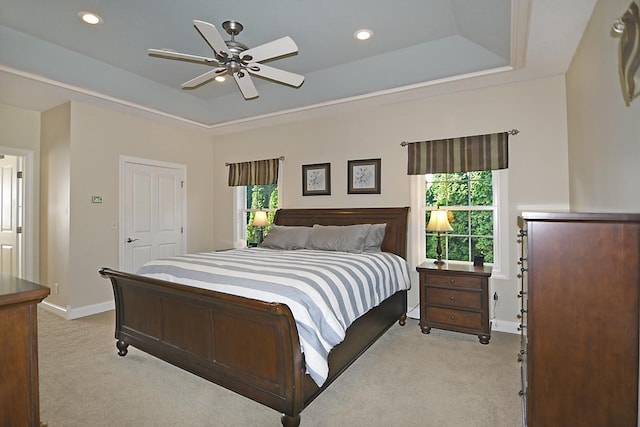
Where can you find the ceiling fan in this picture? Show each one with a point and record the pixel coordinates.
(236, 59)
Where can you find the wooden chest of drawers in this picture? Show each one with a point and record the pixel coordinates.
(19, 398)
(455, 297)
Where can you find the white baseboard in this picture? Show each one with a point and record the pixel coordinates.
(505, 326)
(76, 313)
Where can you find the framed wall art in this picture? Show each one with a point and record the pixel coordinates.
(316, 179)
(364, 176)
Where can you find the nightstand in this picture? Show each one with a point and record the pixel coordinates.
(455, 297)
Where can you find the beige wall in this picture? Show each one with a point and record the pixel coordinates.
(604, 133)
(20, 128)
(95, 140)
(55, 218)
(537, 179)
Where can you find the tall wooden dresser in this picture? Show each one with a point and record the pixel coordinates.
(19, 398)
(580, 318)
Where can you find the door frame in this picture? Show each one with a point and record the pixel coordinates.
(124, 160)
(29, 250)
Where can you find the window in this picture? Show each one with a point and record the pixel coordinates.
(468, 196)
(473, 200)
(249, 199)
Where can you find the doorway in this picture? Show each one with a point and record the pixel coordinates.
(18, 213)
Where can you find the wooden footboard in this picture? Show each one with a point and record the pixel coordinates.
(244, 345)
(247, 346)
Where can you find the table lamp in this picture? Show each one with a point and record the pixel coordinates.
(260, 221)
(439, 223)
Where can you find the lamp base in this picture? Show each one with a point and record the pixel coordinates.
(438, 261)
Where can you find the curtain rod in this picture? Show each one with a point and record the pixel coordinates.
(510, 132)
(229, 164)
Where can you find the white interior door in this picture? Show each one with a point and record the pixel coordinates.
(9, 254)
(153, 203)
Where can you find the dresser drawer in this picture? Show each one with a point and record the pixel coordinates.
(454, 280)
(464, 319)
(454, 298)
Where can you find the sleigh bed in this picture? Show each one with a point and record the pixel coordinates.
(246, 345)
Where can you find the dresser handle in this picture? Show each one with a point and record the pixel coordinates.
(452, 281)
(452, 317)
(452, 298)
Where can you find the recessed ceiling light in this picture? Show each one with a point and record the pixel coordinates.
(220, 79)
(363, 34)
(90, 18)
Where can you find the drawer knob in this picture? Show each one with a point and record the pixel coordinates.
(452, 298)
(452, 317)
(452, 281)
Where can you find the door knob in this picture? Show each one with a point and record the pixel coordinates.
(130, 240)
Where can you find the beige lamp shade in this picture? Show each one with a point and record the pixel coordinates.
(439, 222)
(260, 219)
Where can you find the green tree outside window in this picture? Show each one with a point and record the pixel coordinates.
(468, 196)
(260, 197)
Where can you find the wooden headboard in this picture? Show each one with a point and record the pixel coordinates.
(395, 237)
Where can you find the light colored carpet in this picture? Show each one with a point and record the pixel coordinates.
(405, 379)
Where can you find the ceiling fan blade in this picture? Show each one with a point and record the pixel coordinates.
(169, 54)
(276, 74)
(246, 85)
(202, 78)
(212, 36)
(280, 47)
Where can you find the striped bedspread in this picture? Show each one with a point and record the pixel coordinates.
(325, 291)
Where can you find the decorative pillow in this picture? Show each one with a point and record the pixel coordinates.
(288, 238)
(346, 238)
(375, 237)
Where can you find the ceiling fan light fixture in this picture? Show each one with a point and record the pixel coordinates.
(90, 18)
(234, 59)
(363, 34)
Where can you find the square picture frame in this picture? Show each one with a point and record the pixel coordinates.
(364, 176)
(316, 179)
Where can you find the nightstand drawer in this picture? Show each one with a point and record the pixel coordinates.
(460, 281)
(464, 319)
(454, 298)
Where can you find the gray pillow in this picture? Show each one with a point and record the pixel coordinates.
(375, 237)
(346, 238)
(287, 238)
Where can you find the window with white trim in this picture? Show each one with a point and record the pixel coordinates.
(476, 203)
(248, 200)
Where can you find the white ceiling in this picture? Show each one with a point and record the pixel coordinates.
(48, 56)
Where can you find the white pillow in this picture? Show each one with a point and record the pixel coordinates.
(345, 238)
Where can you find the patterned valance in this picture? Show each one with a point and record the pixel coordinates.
(465, 154)
(257, 172)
